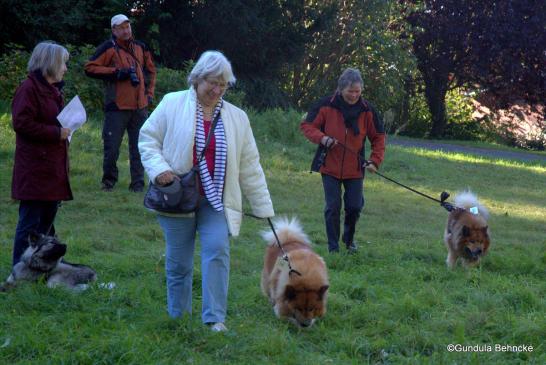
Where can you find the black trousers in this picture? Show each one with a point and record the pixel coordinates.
(353, 202)
(115, 124)
(36, 216)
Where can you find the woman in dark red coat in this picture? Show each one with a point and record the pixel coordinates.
(40, 173)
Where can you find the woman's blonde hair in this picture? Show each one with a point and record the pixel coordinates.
(211, 64)
(48, 57)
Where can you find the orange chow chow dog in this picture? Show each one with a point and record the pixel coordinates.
(300, 295)
(467, 234)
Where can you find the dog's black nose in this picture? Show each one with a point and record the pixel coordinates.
(473, 254)
(61, 249)
(476, 252)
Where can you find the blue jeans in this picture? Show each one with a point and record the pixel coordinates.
(180, 243)
(34, 215)
(353, 201)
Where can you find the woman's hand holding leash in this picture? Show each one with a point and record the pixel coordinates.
(328, 141)
(370, 166)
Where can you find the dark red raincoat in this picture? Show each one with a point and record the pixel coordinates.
(40, 171)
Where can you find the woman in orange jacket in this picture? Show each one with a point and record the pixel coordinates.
(340, 124)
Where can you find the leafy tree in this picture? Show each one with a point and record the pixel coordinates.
(357, 34)
(487, 44)
(508, 55)
(259, 37)
(26, 22)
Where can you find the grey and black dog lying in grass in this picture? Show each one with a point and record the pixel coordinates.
(43, 258)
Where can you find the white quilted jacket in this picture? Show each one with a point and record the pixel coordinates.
(166, 143)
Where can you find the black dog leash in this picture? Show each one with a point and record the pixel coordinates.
(284, 254)
(59, 204)
(443, 196)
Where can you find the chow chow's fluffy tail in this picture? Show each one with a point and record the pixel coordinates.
(468, 199)
(287, 230)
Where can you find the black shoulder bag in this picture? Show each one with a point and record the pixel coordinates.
(182, 195)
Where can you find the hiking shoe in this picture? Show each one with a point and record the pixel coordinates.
(218, 327)
(107, 187)
(333, 250)
(351, 248)
(136, 189)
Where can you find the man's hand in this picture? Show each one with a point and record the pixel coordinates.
(165, 178)
(328, 141)
(65, 132)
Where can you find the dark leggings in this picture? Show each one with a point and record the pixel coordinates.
(353, 201)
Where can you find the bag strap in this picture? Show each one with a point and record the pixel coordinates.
(211, 131)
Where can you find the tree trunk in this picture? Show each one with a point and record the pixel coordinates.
(404, 111)
(435, 92)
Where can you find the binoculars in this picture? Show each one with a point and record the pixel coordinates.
(133, 77)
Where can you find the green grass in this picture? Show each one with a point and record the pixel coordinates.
(476, 144)
(393, 302)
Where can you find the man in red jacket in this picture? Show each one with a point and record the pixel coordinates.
(340, 124)
(127, 68)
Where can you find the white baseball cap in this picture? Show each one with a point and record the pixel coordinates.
(118, 19)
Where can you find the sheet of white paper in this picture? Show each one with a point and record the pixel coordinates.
(73, 115)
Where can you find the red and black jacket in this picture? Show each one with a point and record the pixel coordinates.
(113, 55)
(344, 160)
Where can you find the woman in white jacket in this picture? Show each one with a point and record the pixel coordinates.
(169, 142)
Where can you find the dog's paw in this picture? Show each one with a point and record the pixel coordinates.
(6, 287)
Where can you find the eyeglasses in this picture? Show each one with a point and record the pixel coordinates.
(216, 84)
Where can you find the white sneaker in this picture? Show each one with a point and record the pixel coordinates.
(218, 327)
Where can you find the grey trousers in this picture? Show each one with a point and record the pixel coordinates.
(115, 124)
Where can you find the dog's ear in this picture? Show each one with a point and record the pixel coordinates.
(466, 231)
(322, 291)
(33, 237)
(290, 292)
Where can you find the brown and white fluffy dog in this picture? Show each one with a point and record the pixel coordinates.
(300, 298)
(467, 234)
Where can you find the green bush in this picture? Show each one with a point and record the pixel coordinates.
(278, 125)
(89, 90)
(13, 70)
(169, 80)
(420, 120)
(13, 66)
(460, 124)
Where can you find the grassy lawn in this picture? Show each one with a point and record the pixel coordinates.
(474, 144)
(393, 302)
